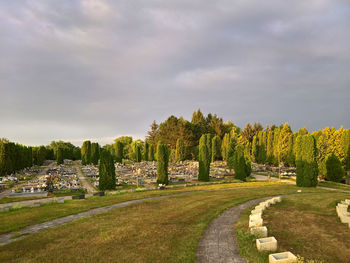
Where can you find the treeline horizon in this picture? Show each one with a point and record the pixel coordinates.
(261, 145)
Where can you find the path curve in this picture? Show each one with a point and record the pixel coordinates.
(219, 244)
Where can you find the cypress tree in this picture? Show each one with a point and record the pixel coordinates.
(208, 141)
(240, 163)
(225, 147)
(306, 165)
(119, 148)
(59, 156)
(204, 161)
(216, 146)
(162, 164)
(95, 153)
(146, 151)
(231, 152)
(106, 170)
(151, 153)
(138, 153)
(180, 150)
(41, 155)
(255, 149)
(335, 171)
(269, 147)
(86, 153)
(284, 146)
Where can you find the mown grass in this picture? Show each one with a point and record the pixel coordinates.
(6, 200)
(334, 185)
(306, 225)
(164, 230)
(19, 218)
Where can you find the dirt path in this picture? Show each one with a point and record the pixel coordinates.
(218, 243)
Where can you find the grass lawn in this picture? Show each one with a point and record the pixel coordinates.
(306, 225)
(334, 185)
(6, 200)
(19, 218)
(166, 230)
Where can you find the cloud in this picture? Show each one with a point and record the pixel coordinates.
(99, 69)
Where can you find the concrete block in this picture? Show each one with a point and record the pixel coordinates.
(283, 257)
(266, 244)
(345, 219)
(36, 204)
(272, 201)
(255, 223)
(257, 211)
(347, 201)
(342, 206)
(259, 231)
(261, 206)
(60, 200)
(278, 198)
(255, 216)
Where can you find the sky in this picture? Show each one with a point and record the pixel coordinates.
(98, 69)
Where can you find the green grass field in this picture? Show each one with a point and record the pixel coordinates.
(170, 228)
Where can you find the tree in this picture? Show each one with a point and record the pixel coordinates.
(152, 134)
(151, 153)
(162, 164)
(119, 151)
(138, 153)
(180, 150)
(231, 153)
(95, 153)
(59, 158)
(269, 147)
(335, 171)
(241, 167)
(255, 148)
(107, 180)
(306, 164)
(283, 142)
(86, 153)
(146, 151)
(216, 149)
(41, 153)
(204, 160)
(225, 147)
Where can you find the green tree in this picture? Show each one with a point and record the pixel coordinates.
(284, 145)
(41, 155)
(255, 148)
(151, 153)
(204, 160)
(225, 147)
(241, 166)
(335, 171)
(216, 149)
(231, 153)
(86, 153)
(162, 164)
(269, 147)
(119, 151)
(107, 180)
(138, 153)
(59, 158)
(306, 164)
(146, 151)
(95, 153)
(180, 150)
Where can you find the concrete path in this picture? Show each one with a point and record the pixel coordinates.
(83, 180)
(218, 244)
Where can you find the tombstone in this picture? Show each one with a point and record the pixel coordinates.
(32, 190)
(36, 204)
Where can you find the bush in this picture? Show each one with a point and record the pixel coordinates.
(335, 171)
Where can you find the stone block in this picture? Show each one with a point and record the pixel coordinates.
(60, 200)
(278, 198)
(78, 196)
(272, 201)
(257, 211)
(259, 231)
(255, 222)
(342, 206)
(283, 257)
(345, 219)
(99, 194)
(266, 244)
(255, 216)
(36, 204)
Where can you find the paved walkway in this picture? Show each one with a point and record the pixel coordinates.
(83, 180)
(218, 243)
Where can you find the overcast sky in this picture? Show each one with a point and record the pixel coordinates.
(98, 69)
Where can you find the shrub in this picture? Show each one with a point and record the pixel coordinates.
(335, 171)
